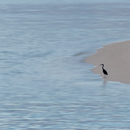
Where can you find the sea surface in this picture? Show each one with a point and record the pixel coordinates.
(44, 82)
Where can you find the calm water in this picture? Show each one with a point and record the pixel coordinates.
(44, 83)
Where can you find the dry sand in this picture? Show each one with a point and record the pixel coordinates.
(116, 58)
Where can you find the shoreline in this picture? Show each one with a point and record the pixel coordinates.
(116, 58)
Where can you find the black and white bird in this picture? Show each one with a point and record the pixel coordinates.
(103, 70)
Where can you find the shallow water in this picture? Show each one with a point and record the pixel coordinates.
(44, 82)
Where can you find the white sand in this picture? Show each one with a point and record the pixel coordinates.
(116, 58)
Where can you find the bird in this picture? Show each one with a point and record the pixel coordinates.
(103, 70)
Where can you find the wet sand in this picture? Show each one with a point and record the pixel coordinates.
(116, 58)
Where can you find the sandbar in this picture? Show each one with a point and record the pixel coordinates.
(116, 60)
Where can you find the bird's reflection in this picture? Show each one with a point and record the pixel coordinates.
(104, 82)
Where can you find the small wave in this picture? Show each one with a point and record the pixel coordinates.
(81, 53)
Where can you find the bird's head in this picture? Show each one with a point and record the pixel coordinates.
(102, 65)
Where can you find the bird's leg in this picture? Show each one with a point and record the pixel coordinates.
(105, 76)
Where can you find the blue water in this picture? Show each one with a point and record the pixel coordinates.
(44, 83)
